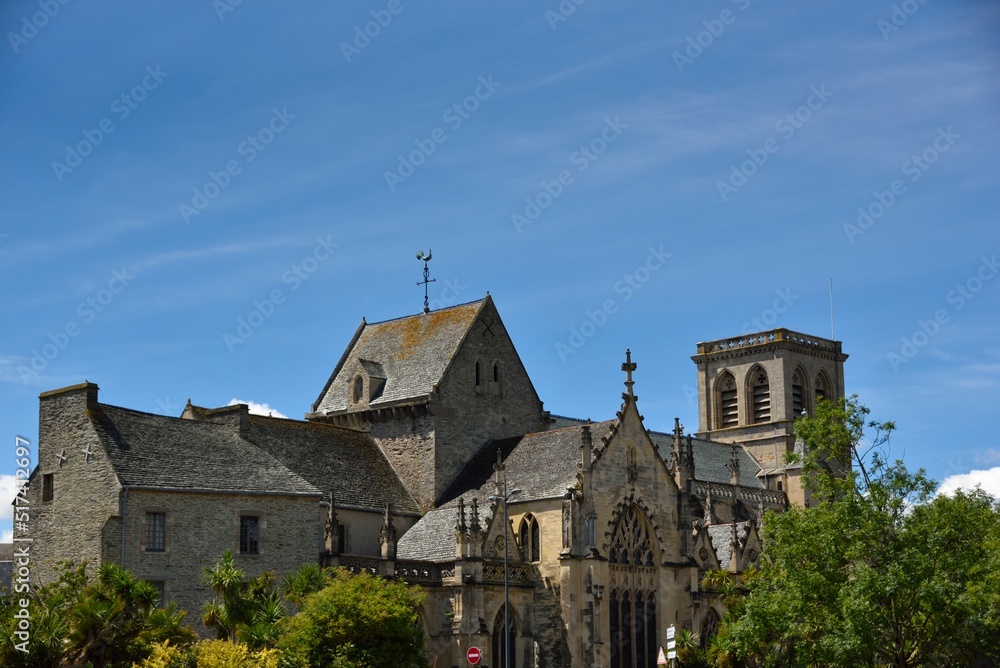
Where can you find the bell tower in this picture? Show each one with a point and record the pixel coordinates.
(751, 388)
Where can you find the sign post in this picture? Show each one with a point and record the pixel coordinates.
(671, 642)
(474, 656)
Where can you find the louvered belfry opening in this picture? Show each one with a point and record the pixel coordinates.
(760, 397)
(729, 407)
(798, 395)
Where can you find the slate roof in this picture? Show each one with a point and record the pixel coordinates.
(722, 539)
(412, 353)
(344, 460)
(542, 465)
(711, 460)
(166, 452)
(432, 538)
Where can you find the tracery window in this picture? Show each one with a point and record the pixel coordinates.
(501, 640)
(709, 627)
(633, 592)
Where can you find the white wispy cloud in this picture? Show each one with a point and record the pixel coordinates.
(170, 257)
(17, 369)
(988, 456)
(988, 479)
(8, 490)
(258, 409)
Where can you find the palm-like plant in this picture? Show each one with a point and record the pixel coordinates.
(308, 579)
(115, 621)
(245, 611)
(689, 652)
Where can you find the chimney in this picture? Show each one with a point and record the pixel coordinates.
(235, 417)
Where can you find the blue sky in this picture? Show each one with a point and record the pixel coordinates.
(169, 168)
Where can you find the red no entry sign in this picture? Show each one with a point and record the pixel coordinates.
(474, 655)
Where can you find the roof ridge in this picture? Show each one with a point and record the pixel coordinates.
(158, 415)
(572, 426)
(417, 315)
(312, 423)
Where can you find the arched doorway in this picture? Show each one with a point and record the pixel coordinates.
(632, 564)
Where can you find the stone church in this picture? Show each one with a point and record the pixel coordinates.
(426, 424)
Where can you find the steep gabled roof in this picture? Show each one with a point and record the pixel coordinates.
(541, 465)
(156, 451)
(711, 460)
(346, 461)
(412, 352)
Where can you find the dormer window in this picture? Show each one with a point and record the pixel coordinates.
(359, 389)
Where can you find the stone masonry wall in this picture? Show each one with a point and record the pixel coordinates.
(408, 444)
(768, 441)
(85, 488)
(200, 527)
(474, 415)
(656, 493)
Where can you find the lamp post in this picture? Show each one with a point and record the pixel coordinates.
(506, 579)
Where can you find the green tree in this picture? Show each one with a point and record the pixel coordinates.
(48, 607)
(878, 572)
(247, 611)
(308, 579)
(110, 622)
(355, 621)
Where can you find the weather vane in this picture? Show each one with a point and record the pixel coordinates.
(427, 279)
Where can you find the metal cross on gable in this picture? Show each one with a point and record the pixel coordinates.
(87, 452)
(62, 457)
(488, 327)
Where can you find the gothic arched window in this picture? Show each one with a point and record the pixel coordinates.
(728, 405)
(531, 548)
(760, 396)
(709, 627)
(501, 640)
(497, 378)
(633, 592)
